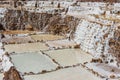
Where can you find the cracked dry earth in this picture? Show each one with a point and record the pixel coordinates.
(46, 59)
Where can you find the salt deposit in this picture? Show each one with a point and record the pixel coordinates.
(95, 38)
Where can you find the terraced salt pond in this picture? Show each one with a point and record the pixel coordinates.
(27, 47)
(69, 57)
(74, 73)
(17, 39)
(33, 62)
(46, 37)
(1, 76)
(65, 43)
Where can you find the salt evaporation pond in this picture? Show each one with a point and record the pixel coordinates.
(1, 76)
(17, 39)
(27, 47)
(46, 37)
(76, 73)
(64, 43)
(69, 57)
(33, 62)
